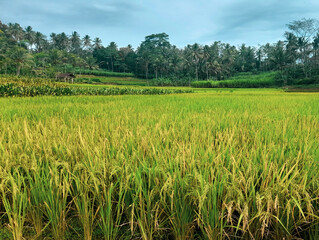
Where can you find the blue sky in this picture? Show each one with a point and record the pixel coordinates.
(127, 22)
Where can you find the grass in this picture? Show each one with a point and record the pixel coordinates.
(111, 80)
(241, 81)
(207, 165)
(101, 72)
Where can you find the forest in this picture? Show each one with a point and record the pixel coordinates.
(24, 51)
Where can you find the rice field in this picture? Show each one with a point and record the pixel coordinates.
(207, 165)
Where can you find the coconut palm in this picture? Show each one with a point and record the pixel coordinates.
(75, 42)
(21, 58)
(86, 42)
(97, 43)
(40, 42)
(16, 31)
(30, 37)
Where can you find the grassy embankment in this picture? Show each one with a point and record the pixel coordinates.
(247, 80)
(100, 72)
(98, 80)
(262, 80)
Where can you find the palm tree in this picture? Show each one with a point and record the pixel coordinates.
(193, 55)
(29, 36)
(62, 41)
(16, 31)
(278, 58)
(207, 58)
(4, 60)
(86, 41)
(91, 63)
(111, 50)
(315, 45)
(304, 51)
(55, 56)
(259, 57)
(291, 46)
(97, 43)
(21, 58)
(40, 41)
(75, 42)
(53, 40)
(227, 59)
(197, 54)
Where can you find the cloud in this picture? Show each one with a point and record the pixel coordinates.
(186, 21)
(256, 22)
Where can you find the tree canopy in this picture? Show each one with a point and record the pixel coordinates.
(25, 51)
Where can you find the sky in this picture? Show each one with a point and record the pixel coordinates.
(126, 22)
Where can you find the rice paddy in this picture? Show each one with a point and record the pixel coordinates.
(206, 165)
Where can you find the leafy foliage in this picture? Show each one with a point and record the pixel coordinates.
(241, 81)
(26, 52)
(13, 90)
(102, 73)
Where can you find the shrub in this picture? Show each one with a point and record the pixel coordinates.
(102, 73)
(306, 81)
(202, 84)
(246, 80)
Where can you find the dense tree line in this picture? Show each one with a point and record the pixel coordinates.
(23, 50)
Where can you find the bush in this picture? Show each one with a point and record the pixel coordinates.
(102, 73)
(233, 84)
(306, 81)
(243, 80)
(171, 81)
(161, 82)
(202, 84)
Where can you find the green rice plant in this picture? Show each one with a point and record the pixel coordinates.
(179, 207)
(111, 202)
(57, 188)
(85, 199)
(148, 211)
(15, 202)
(36, 193)
(207, 165)
(211, 210)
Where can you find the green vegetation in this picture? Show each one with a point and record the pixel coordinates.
(295, 58)
(306, 81)
(214, 165)
(102, 73)
(241, 81)
(29, 87)
(92, 79)
(13, 90)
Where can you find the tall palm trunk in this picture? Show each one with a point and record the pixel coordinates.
(18, 69)
(196, 72)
